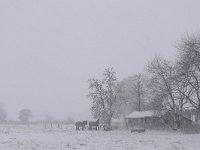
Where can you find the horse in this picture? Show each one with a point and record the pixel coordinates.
(81, 124)
(94, 124)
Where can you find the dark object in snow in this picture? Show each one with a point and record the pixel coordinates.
(80, 124)
(94, 124)
(138, 130)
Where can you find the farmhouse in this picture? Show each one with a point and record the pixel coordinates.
(193, 115)
(142, 119)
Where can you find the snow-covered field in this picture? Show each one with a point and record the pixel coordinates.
(36, 137)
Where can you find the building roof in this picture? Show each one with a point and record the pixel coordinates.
(140, 114)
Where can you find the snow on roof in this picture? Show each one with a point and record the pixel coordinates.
(140, 114)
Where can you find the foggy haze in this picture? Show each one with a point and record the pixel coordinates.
(49, 49)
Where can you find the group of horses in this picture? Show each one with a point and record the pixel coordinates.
(91, 125)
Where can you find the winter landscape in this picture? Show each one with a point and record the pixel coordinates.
(36, 137)
(99, 75)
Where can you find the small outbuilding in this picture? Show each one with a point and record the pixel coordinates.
(193, 115)
(142, 119)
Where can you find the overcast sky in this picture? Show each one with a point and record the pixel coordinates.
(50, 48)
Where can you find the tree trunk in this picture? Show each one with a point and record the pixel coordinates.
(109, 123)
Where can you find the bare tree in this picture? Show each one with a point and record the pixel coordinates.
(132, 94)
(140, 90)
(97, 94)
(122, 106)
(3, 114)
(189, 63)
(25, 115)
(166, 88)
(103, 96)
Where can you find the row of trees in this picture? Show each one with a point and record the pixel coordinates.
(165, 86)
(24, 115)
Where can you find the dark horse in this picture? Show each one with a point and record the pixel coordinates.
(81, 124)
(94, 124)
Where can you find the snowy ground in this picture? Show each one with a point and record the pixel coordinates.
(36, 137)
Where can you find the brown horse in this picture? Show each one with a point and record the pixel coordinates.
(94, 124)
(81, 124)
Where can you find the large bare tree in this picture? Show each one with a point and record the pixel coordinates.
(103, 96)
(189, 64)
(167, 89)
